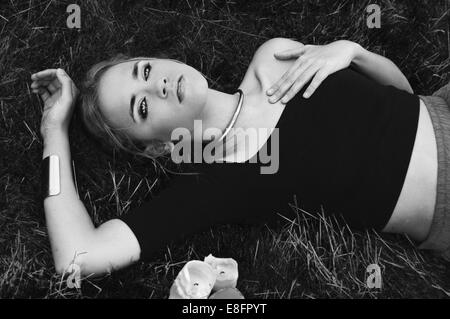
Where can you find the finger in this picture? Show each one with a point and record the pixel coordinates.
(301, 81)
(289, 82)
(290, 54)
(49, 73)
(43, 93)
(275, 87)
(56, 83)
(52, 87)
(66, 84)
(35, 85)
(46, 81)
(38, 83)
(318, 79)
(74, 89)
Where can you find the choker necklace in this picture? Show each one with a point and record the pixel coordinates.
(235, 115)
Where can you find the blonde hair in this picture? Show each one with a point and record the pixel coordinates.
(96, 123)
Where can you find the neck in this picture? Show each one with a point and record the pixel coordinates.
(219, 110)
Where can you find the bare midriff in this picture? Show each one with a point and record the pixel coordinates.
(414, 210)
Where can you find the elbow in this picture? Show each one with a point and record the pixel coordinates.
(62, 269)
(68, 263)
(79, 266)
(72, 261)
(68, 257)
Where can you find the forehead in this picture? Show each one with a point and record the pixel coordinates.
(114, 93)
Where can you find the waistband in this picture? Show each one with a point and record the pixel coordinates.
(439, 236)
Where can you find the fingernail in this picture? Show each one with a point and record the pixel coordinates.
(306, 95)
(270, 91)
(284, 100)
(272, 99)
(60, 71)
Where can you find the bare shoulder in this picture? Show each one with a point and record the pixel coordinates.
(265, 66)
(266, 50)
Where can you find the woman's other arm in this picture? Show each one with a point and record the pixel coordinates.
(380, 69)
(315, 62)
(73, 236)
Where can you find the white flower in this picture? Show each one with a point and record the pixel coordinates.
(226, 270)
(195, 281)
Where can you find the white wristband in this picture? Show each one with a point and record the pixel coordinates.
(51, 182)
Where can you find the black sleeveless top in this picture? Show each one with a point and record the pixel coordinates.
(344, 151)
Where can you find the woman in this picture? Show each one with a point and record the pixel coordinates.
(362, 147)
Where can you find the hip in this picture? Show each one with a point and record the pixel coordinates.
(414, 210)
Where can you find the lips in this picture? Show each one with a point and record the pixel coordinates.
(180, 89)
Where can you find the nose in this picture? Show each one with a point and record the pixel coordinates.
(162, 87)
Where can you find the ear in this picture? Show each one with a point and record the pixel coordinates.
(158, 148)
(168, 147)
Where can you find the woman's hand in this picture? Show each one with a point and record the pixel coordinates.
(59, 94)
(316, 61)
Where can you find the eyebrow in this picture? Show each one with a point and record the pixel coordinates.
(133, 97)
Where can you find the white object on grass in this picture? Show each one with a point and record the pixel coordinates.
(195, 281)
(226, 270)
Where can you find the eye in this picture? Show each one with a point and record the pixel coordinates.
(143, 109)
(147, 70)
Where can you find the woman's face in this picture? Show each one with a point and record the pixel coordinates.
(149, 98)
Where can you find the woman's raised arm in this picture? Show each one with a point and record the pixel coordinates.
(316, 62)
(380, 69)
(73, 236)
